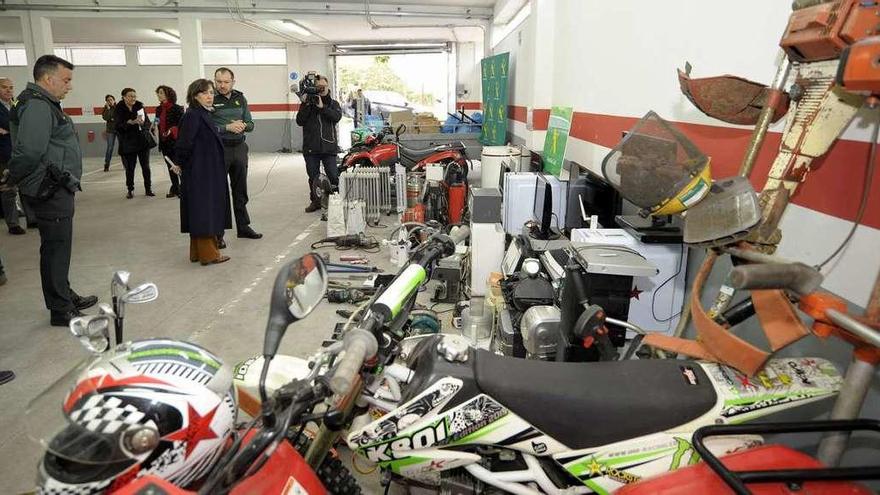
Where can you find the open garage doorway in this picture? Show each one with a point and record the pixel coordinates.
(394, 82)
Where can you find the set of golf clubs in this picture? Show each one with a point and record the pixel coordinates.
(93, 331)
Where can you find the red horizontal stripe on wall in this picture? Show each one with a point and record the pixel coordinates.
(273, 107)
(517, 113)
(254, 107)
(834, 187)
(540, 119)
(468, 105)
(73, 111)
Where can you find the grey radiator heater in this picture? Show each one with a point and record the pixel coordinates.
(382, 191)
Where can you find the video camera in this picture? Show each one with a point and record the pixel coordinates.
(309, 85)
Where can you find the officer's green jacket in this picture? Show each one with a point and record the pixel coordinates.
(228, 109)
(41, 134)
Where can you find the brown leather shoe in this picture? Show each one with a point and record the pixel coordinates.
(217, 261)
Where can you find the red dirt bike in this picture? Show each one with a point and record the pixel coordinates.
(272, 454)
(379, 153)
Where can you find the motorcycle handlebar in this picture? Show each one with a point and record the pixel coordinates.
(796, 277)
(359, 345)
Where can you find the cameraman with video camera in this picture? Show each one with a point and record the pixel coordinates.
(318, 116)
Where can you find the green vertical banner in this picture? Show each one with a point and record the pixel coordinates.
(556, 139)
(495, 76)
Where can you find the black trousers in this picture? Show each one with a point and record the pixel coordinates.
(313, 168)
(55, 221)
(236, 158)
(129, 161)
(175, 179)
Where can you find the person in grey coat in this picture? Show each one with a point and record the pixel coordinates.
(46, 165)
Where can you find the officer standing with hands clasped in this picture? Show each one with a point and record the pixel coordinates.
(318, 116)
(233, 119)
(46, 164)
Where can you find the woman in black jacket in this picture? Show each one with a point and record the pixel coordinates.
(205, 211)
(168, 115)
(131, 125)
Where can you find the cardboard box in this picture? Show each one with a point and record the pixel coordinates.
(402, 117)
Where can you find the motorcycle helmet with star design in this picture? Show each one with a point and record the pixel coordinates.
(151, 407)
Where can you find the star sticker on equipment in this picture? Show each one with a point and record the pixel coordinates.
(199, 429)
(595, 467)
(635, 292)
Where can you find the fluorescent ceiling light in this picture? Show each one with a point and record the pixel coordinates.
(298, 28)
(392, 45)
(167, 35)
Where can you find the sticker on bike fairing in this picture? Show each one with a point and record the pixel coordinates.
(240, 371)
(782, 381)
(471, 417)
(689, 374)
(607, 469)
(394, 422)
(454, 426)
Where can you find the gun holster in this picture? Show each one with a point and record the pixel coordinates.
(54, 179)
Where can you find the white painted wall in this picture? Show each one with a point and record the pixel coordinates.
(620, 57)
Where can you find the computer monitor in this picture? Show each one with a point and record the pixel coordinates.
(543, 207)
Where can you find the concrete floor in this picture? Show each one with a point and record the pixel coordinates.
(222, 307)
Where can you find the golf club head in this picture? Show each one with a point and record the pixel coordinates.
(93, 332)
(119, 284)
(144, 293)
(106, 309)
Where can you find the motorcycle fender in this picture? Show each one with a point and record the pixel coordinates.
(448, 155)
(782, 384)
(284, 473)
(246, 379)
(353, 158)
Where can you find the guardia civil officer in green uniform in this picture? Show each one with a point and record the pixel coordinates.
(46, 164)
(233, 119)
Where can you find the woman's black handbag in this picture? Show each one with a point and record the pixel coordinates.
(148, 138)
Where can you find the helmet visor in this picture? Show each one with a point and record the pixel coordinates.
(96, 414)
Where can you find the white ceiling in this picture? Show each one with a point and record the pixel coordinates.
(335, 28)
(218, 26)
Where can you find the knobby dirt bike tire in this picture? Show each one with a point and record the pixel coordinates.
(337, 479)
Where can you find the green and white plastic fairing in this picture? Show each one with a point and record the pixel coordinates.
(416, 440)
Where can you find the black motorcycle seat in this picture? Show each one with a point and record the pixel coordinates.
(417, 155)
(585, 405)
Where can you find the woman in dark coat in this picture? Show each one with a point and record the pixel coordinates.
(168, 115)
(131, 123)
(204, 204)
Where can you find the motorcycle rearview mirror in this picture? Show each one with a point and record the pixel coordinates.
(92, 331)
(144, 293)
(400, 130)
(299, 287)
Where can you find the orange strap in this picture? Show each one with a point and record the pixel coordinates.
(716, 343)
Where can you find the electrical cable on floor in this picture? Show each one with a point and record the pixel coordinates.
(266, 183)
(866, 192)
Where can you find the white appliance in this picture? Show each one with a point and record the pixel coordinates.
(487, 253)
(519, 200)
(494, 160)
(657, 301)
